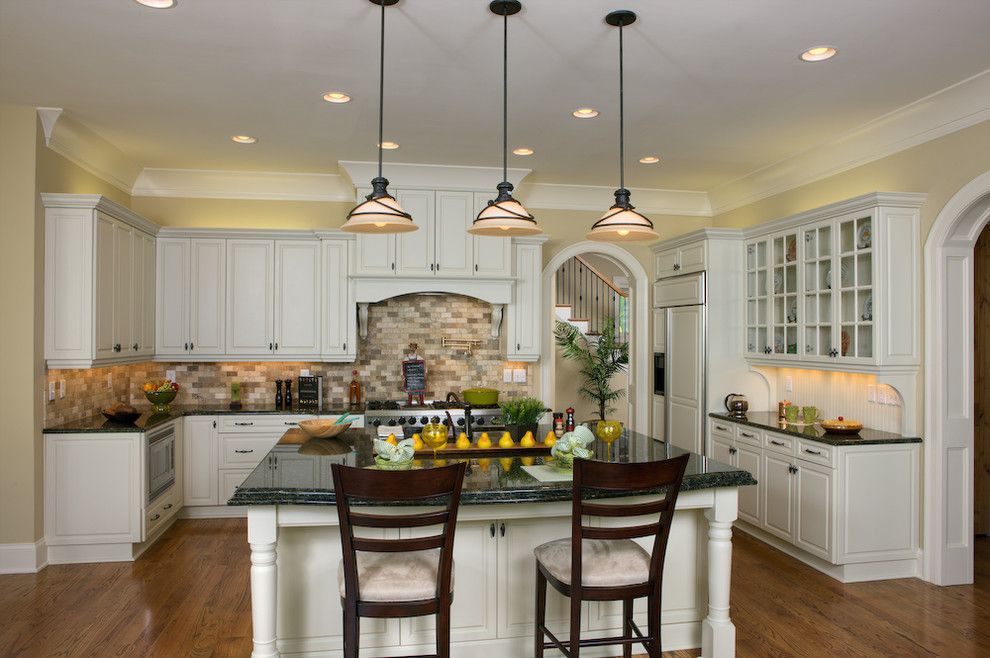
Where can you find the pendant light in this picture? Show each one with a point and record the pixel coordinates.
(621, 223)
(379, 212)
(504, 216)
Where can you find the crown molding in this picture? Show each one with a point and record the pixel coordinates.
(101, 203)
(430, 176)
(599, 198)
(253, 185)
(700, 234)
(959, 106)
(912, 200)
(83, 147)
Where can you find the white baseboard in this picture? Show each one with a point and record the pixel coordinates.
(213, 512)
(854, 572)
(23, 558)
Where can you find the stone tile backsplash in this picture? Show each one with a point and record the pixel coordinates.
(392, 325)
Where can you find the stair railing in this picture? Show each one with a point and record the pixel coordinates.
(593, 297)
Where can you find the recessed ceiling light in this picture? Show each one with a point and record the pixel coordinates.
(244, 139)
(818, 54)
(649, 159)
(390, 146)
(585, 113)
(157, 4)
(523, 151)
(336, 97)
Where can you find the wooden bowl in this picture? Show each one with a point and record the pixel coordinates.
(322, 428)
(124, 417)
(844, 427)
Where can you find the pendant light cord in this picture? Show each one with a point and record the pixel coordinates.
(622, 114)
(381, 91)
(505, 94)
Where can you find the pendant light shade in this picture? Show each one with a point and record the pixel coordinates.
(622, 223)
(505, 216)
(379, 212)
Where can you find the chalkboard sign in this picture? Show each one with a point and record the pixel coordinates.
(414, 376)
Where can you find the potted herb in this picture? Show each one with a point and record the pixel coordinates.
(522, 415)
(600, 361)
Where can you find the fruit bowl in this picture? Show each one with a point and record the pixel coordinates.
(841, 426)
(322, 428)
(160, 399)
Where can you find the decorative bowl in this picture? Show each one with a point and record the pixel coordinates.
(480, 397)
(322, 428)
(123, 417)
(841, 426)
(161, 399)
(386, 465)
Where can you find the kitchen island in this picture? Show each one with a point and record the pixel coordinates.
(505, 513)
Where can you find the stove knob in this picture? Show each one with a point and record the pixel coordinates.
(445, 422)
(424, 420)
(401, 420)
(460, 422)
(435, 420)
(376, 422)
(391, 423)
(479, 421)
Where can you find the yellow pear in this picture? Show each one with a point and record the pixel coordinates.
(484, 442)
(550, 439)
(463, 442)
(484, 464)
(506, 441)
(527, 441)
(418, 442)
(391, 439)
(528, 461)
(506, 463)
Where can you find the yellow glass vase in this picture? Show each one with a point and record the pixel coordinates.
(608, 431)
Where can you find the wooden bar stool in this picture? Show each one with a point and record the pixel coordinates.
(397, 577)
(605, 564)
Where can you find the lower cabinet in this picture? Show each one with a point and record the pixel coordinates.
(200, 459)
(778, 495)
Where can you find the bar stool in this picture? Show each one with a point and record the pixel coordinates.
(604, 564)
(397, 577)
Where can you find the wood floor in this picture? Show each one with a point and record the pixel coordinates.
(189, 596)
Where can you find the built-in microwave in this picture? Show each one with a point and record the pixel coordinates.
(658, 372)
(160, 461)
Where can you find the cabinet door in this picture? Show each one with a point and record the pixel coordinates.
(454, 246)
(813, 522)
(750, 459)
(475, 587)
(375, 255)
(852, 280)
(292, 470)
(685, 364)
(250, 297)
(105, 278)
(144, 294)
(297, 298)
(339, 310)
(692, 258)
(207, 297)
(414, 252)
(659, 330)
(785, 311)
(758, 340)
(492, 256)
(200, 457)
(123, 288)
(659, 418)
(778, 496)
(525, 312)
(722, 450)
(665, 263)
(230, 479)
(818, 312)
(172, 270)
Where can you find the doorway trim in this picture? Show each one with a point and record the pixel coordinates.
(949, 380)
(640, 356)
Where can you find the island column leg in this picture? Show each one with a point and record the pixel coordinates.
(262, 536)
(718, 633)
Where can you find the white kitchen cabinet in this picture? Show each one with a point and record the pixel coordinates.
(289, 468)
(659, 330)
(415, 251)
(813, 509)
(685, 367)
(228, 481)
(750, 459)
(659, 418)
(375, 255)
(492, 255)
(339, 309)
(250, 297)
(95, 282)
(773, 308)
(722, 449)
(526, 310)
(778, 494)
(298, 298)
(172, 312)
(143, 341)
(454, 245)
(200, 460)
(684, 259)
(191, 303)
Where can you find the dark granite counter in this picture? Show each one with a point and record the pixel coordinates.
(767, 420)
(489, 480)
(147, 420)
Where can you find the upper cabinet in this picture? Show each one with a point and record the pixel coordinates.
(683, 259)
(192, 307)
(526, 310)
(838, 287)
(99, 282)
(441, 247)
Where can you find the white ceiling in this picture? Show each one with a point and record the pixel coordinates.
(714, 86)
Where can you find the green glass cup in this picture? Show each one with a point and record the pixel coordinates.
(791, 413)
(810, 414)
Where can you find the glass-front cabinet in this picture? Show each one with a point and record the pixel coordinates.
(772, 306)
(757, 298)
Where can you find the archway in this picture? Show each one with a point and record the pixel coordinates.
(949, 379)
(640, 356)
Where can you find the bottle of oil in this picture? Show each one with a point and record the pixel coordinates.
(355, 395)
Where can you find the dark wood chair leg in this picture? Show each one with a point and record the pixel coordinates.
(541, 612)
(574, 650)
(352, 631)
(653, 610)
(627, 632)
(443, 633)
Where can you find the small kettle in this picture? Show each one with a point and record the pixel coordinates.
(736, 405)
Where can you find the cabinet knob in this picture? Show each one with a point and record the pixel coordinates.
(491, 529)
(518, 347)
(276, 347)
(475, 267)
(393, 267)
(185, 346)
(156, 517)
(677, 266)
(192, 346)
(271, 346)
(733, 451)
(501, 529)
(134, 347)
(431, 267)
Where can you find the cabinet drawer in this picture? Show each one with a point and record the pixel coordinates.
(260, 422)
(778, 443)
(816, 452)
(721, 428)
(161, 510)
(240, 451)
(750, 435)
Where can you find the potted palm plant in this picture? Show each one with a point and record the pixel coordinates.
(599, 360)
(522, 415)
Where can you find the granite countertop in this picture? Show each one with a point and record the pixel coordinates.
(767, 420)
(488, 481)
(148, 420)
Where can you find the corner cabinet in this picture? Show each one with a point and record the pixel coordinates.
(99, 282)
(837, 287)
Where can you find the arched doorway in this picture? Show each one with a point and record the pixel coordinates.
(949, 384)
(640, 356)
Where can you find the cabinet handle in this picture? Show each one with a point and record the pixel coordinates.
(345, 347)
(244, 452)
(169, 506)
(721, 429)
(733, 451)
(518, 347)
(475, 267)
(501, 529)
(812, 452)
(431, 267)
(438, 267)
(214, 424)
(244, 424)
(185, 346)
(134, 347)
(290, 424)
(792, 469)
(746, 434)
(677, 266)
(156, 517)
(271, 346)
(491, 529)
(777, 443)
(393, 267)
(192, 346)
(276, 347)
(276, 460)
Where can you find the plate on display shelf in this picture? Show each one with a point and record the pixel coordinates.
(778, 344)
(843, 272)
(868, 308)
(864, 236)
(778, 283)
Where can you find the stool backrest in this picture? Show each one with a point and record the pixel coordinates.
(600, 479)
(436, 487)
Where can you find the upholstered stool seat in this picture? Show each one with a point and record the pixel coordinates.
(604, 562)
(384, 577)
